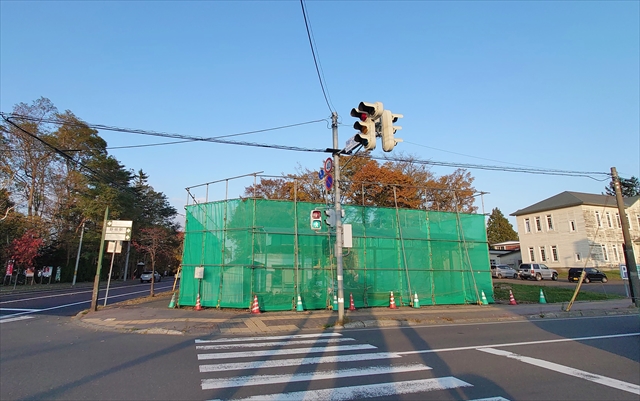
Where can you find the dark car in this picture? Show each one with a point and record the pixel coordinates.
(592, 275)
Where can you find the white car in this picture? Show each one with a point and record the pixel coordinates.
(536, 271)
(146, 276)
(503, 271)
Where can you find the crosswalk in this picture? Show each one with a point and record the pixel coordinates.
(307, 377)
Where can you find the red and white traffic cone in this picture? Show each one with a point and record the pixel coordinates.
(392, 302)
(198, 306)
(255, 309)
(352, 306)
(512, 300)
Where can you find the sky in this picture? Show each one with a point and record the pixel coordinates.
(532, 84)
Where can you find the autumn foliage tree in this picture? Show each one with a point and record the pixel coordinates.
(155, 243)
(401, 182)
(25, 249)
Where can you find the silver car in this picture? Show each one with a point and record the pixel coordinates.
(503, 271)
(146, 276)
(536, 271)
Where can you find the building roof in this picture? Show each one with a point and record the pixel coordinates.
(569, 199)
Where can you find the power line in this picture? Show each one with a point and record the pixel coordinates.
(306, 24)
(571, 173)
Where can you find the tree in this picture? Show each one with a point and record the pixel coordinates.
(25, 249)
(628, 186)
(154, 241)
(499, 229)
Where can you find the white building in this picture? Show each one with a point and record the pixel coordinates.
(574, 229)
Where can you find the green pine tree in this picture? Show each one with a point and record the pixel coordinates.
(499, 229)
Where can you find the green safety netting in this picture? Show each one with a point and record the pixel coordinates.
(267, 248)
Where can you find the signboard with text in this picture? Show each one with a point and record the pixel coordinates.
(118, 230)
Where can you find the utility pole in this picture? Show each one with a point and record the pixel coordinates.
(96, 282)
(75, 272)
(337, 206)
(630, 260)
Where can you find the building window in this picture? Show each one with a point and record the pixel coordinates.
(578, 258)
(538, 224)
(554, 253)
(572, 226)
(605, 254)
(549, 223)
(598, 221)
(532, 255)
(527, 225)
(618, 222)
(609, 223)
(543, 254)
(614, 248)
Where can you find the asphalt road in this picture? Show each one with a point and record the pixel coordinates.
(43, 300)
(50, 357)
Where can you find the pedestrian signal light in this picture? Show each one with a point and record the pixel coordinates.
(316, 220)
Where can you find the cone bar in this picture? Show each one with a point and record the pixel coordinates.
(255, 309)
(392, 302)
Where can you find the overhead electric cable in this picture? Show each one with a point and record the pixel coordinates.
(571, 173)
(306, 24)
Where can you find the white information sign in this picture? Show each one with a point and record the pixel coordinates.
(118, 230)
(199, 272)
(114, 247)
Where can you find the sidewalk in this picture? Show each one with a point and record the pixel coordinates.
(152, 316)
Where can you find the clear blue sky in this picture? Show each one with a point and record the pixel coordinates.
(538, 84)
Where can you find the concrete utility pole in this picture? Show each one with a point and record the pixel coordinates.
(630, 260)
(75, 271)
(96, 281)
(337, 206)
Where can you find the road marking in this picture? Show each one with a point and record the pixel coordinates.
(14, 319)
(278, 363)
(291, 351)
(240, 381)
(606, 381)
(75, 293)
(491, 399)
(366, 391)
(289, 337)
(274, 343)
(19, 309)
(559, 340)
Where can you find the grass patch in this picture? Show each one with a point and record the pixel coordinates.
(531, 294)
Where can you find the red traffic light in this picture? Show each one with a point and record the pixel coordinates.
(316, 214)
(363, 116)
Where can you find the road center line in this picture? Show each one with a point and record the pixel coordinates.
(606, 381)
(559, 340)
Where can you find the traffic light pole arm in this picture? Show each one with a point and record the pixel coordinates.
(336, 189)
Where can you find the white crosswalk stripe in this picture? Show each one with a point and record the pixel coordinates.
(276, 346)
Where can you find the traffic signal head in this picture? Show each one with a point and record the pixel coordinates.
(389, 141)
(330, 217)
(316, 220)
(367, 113)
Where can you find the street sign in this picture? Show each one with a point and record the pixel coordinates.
(118, 230)
(328, 182)
(328, 165)
(114, 247)
(321, 174)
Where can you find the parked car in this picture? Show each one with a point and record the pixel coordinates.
(146, 276)
(500, 271)
(537, 271)
(592, 275)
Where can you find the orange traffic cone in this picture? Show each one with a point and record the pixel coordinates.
(352, 306)
(255, 309)
(392, 302)
(512, 300)
(198, 306)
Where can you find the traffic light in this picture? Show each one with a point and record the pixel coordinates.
(389, 141)
(368, 113)
(316, 220)
(330, 217)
